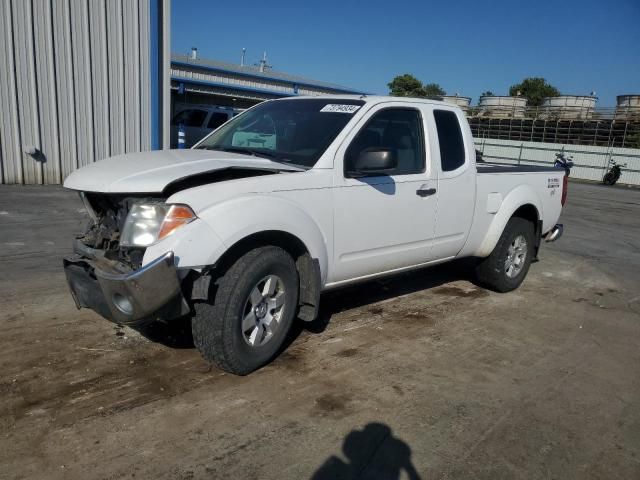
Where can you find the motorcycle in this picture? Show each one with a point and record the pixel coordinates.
(612, 176)
(562, 161)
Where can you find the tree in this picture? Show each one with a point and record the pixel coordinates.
(409, 86)
(433, 90)
(535, 89)
(488, 93)
(406, 86)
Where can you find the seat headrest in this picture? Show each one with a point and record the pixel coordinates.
(398, 136)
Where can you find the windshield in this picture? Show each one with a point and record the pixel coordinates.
(289, 131)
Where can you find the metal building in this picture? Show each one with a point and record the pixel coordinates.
(80, 80)
(200, 81)
(206, 93)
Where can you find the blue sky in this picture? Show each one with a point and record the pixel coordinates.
(466, 46)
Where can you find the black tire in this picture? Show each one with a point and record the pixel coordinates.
(217, 324)
(609, 179)
(492, 270)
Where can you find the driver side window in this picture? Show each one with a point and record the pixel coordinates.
(397, 129)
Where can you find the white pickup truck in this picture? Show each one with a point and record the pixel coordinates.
(293, 197)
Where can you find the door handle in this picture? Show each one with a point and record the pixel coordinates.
(425, 192)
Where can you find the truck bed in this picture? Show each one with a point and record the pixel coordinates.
(502, 188)
(507, 168)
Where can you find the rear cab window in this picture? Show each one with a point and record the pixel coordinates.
(452, 151)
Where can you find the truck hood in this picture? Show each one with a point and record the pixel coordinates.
(151, 172)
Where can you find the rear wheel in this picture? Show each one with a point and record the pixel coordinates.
(507, 266)
(609, 179)
(246, 321)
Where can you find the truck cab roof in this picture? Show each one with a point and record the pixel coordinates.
(372, 99)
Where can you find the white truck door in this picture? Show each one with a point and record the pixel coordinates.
(384, 222)
(453, 154)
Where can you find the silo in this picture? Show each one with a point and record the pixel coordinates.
(568, 107)
(498, 106)
(628, 107)
(462, 102)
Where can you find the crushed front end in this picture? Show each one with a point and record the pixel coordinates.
(108, 277)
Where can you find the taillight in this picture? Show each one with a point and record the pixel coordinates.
(565, 186)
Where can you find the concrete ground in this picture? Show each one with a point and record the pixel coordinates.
(423, 375)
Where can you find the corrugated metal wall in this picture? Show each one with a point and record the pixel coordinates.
(74, 83)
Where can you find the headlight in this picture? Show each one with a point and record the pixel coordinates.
(88, 207)
(148, 223)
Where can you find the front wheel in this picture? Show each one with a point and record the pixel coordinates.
(507, 266)
(246, 320)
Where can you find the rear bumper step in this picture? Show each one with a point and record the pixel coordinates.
(555, 233)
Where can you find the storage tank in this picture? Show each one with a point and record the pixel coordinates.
(498, 106)
(568, 107)
(462, 102)
(628, 107)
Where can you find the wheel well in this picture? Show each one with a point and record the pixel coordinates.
(308, 267)
(288, 242)
(530, 212)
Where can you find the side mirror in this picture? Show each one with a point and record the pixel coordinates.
(374, 160)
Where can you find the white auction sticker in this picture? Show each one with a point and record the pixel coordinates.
(336, 108)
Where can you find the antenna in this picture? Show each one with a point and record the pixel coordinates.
(264, 66)
(244, 50)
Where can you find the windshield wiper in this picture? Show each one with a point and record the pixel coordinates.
(256, 153)
(246, 151)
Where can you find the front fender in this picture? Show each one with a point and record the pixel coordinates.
(516, 198)
(240, 217)
(192, 245)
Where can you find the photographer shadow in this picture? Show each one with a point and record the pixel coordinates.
(371, 453)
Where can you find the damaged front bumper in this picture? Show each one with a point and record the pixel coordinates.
(130, 298)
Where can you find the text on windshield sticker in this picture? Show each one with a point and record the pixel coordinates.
(336, 108)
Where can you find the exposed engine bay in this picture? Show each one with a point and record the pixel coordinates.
(108, 214)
